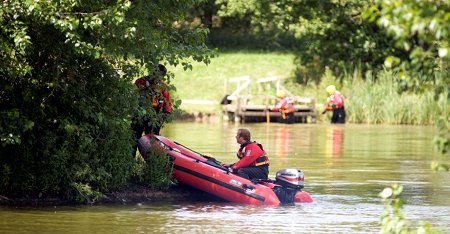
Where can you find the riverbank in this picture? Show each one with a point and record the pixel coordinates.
(370, 97)
(129, 195)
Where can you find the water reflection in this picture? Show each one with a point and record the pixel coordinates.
(335, 138)
(282, 140)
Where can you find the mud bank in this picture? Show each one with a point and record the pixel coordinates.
(135, 194)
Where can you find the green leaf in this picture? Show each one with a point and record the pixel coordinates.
(442, 52)
(386, 193)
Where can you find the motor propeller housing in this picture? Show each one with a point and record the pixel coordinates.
(290, 178)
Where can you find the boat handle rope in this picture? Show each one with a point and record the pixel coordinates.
(207, 157)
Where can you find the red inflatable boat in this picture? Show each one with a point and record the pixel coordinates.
(207, 174)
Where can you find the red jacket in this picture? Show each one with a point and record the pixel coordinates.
(286, 104)
(160, 98)
(336, 100)
(251, 154)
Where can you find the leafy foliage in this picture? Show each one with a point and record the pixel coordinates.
(329, 33)
(155, 170)
(392, 218)
(66, 97)
(420, 29)
(409, 35)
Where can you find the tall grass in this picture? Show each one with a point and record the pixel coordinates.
(376, 101)
(370, 98)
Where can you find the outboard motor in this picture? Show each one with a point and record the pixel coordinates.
(290, 181)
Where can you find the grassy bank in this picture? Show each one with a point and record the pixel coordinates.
(370, 98)
(206, 82)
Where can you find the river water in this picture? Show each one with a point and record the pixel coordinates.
(345, 167)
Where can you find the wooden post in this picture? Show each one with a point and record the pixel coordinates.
(313, 110)
(267, 111)
(226, 86)
(224, 106)
(237, 113)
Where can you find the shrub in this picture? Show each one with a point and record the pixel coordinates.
(66, 124)
(155, 171)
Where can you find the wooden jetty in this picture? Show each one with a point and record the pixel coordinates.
(256, 108)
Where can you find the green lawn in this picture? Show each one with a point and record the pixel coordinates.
(206, 82)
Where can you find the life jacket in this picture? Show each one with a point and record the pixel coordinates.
(262, 160)
(285, 106)
(335, 101)
(156, 94)
(289, 107)
(251, 154)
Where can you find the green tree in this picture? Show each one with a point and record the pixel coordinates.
(66, 98)
(420, 29)
(329, 33)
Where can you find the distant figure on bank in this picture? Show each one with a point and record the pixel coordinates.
(335, 103)
(286, 107)
(253, 162)
(154, 98)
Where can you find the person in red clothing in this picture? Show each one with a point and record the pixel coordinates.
(286, 107)
(335, 103)
(253, 161)
(154, 100)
